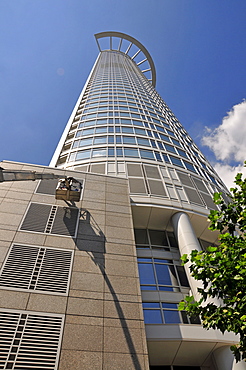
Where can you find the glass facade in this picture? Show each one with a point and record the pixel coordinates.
(120, 118)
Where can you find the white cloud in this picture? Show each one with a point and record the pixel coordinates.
(227, 173)
(228, 143)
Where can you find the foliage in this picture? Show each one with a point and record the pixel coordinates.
(222, 270)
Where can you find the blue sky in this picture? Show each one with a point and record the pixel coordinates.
(198, 47)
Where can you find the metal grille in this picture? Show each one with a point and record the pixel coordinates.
(208, 201)
(47, 187)
(137, 186)
(49, 219)
(37, 268)
(134, 170)
(152, 172)
(29, 341)
(98, 168)
(193, 196)
(65, 221)
(156, 187)
(200, 185)
(185, 180)
(36, 217)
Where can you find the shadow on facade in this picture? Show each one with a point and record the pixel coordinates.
(92, 240)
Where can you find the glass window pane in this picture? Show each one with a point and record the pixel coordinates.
(126, 121)
(83, 155)
(184, 317)
(151, 305)
(111, 152)
(129, 140)
(189, 166)
(99, 153)
(158, 237)
(170, 148)
(152, 316)
(146, 273)
(127, 130)
(176, 161)
(163, 274)
(171, 317)
(170, 305)
(130, 152)
(89, 123)
(88, 131)
(164, 137)
(140, 131)
(148, 287)
(119, 152)
(146, 154)
(144, 142)
(100, 130)
(102, 121)
(182, 276)
(100, 140)
(137, 123)
(85, 142)
(141, 236)
(144, 259)
(172, 239)
(110, 139)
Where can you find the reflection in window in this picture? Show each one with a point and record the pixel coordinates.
(144, 142)
(161, 274)
(130, 152)
(155, 239)
(100, 140)
(99, 153)
(83, 155)
(147, 154)
(129, 140)
(166, 313)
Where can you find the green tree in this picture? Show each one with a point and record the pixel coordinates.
(222, 270)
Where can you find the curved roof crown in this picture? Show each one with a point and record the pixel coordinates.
(145, 64)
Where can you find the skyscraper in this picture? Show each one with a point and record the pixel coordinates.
(139, 169)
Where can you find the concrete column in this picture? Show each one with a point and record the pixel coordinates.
(224, 360)
(187, 242)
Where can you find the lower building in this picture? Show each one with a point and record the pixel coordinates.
(70, 287)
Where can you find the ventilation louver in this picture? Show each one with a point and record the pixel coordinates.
(37, 268)
(137, 186)
(29, 341)
(47, 187)
(44, 218)
(193, 196)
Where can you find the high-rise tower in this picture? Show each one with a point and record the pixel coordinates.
(139, 169)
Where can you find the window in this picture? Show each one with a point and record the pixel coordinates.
(176, 161)
(127, 130)
(129, 140)
(99, 152)
(146, 154)
(131, 152)
(100, 140)
(170, 148)
(166, 313)
(161, 274)
(144, 142)
(85, 142)
(84, 154)
(154, 239)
